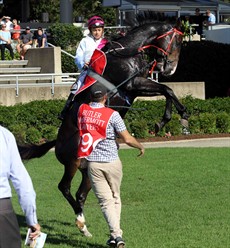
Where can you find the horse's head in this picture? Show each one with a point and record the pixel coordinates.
(154, 34)
(168, 47)
(165, 39)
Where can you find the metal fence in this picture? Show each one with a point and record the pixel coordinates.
(16, 80)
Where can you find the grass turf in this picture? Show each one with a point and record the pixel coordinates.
(172, 198)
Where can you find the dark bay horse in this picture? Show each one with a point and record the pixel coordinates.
(127, 70)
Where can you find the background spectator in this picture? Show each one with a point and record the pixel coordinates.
(40, 38)
(25, 42)
(198, 19)
(15, 34)
(16, 30)
(211, 18)
(6, 20)
(5, 42)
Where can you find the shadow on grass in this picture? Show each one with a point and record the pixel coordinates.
(59, 239)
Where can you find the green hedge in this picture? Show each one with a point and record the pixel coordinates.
(206, 116)
(65, 35)
(36, 122)
(32, 122)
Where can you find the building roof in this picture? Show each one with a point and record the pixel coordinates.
(182, 5)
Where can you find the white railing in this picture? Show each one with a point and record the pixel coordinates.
(34, 77)
(63, 51)
(45, 76)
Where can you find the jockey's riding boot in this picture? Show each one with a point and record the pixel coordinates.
(66, 108)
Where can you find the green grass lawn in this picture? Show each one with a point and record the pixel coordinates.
(172, 198)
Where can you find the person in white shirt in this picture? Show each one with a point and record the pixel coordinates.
(211, 18)
(6, 20)
(5, 42)
(12, 169)
(95, 39)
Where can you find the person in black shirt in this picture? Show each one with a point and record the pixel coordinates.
(40, 38)
(198, 19)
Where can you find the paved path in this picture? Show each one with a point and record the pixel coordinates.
(213, 142)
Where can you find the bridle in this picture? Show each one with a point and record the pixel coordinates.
(173, 31)
(166, 51)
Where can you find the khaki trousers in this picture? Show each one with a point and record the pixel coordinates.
(9, 229)
(106, 181)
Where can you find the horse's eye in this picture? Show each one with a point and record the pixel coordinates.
(160, 53)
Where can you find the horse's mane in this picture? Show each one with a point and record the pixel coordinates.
(144, 18)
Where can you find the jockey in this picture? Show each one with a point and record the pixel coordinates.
(95, 39)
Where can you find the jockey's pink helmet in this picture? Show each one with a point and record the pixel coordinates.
(95, 21)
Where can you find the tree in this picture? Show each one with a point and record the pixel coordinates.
(51, 7)
(88, 8)
(84, 8)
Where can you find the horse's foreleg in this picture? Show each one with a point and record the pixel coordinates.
(181, 109)
(166, 117)
(147, 87)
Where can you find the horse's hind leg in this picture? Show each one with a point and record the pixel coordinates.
(81, 196)
(64, 186)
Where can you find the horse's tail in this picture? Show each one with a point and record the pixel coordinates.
(35, 151)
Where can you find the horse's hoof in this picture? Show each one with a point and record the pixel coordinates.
(83, 228)
(86, 233)
(184, 123)
(157, 128)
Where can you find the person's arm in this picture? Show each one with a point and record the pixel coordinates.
(24, 187)
(9, 38)
(79, 58)
(43, 42)
(2, 37)
(131, 141)
(35, 42)
(30, 41)
(122, 131)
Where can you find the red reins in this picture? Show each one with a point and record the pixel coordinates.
(173, 31)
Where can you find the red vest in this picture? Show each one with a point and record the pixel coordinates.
(92, 124)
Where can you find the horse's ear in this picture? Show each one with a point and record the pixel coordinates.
(178, 24)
